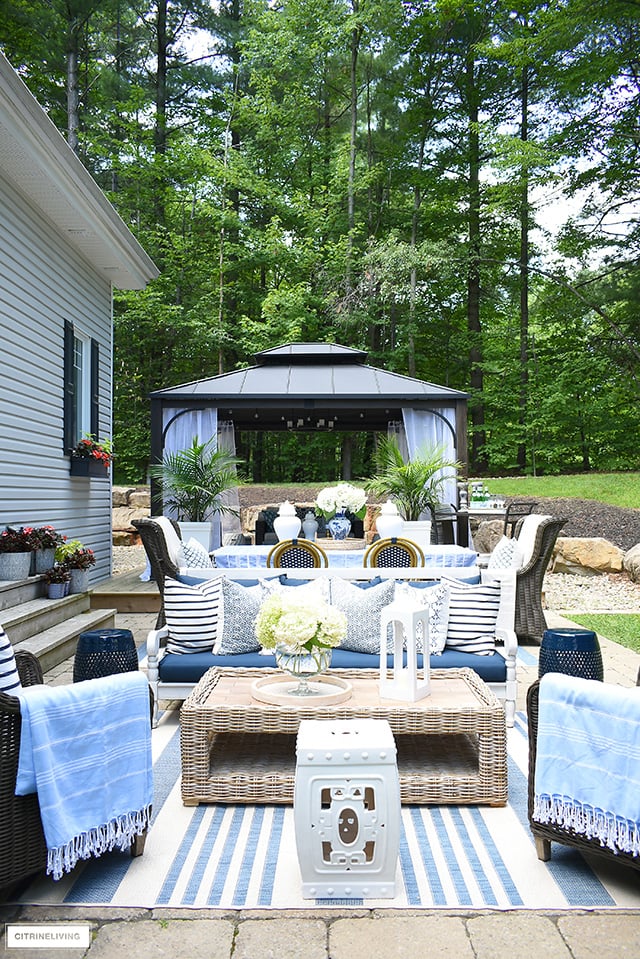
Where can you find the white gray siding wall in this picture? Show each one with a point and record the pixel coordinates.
(44, 281)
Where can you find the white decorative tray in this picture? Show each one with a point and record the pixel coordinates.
(277, 690)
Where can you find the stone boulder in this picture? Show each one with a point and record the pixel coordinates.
(586, 556)
(487, 535)
(631, 563)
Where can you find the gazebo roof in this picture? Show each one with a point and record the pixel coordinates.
(313, 382)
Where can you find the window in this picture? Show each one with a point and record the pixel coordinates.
(81, 369)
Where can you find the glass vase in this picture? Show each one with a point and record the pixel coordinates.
(303, 666)
(339, 526)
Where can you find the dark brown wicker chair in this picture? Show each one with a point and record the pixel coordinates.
(530, 621)
(155, 546)
(545, 834)
(23, 851)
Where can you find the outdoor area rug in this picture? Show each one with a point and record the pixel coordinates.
(244, 857)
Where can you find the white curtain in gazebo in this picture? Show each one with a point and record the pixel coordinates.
(428, 428)
(230, 521)
(179, 428)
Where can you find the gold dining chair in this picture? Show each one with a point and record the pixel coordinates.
(393, 551)
(297, 553)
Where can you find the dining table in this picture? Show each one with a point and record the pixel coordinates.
(438, 558)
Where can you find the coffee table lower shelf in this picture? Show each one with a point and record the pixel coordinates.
(260, 768)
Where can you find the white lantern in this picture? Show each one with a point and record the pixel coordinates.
(287, 523)
(346, 809)
(389, 523)
(406, 681)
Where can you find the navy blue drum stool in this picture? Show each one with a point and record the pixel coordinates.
(575, 652)
(103, 652)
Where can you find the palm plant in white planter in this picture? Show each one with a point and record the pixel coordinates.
(415, 486)
(192, 483)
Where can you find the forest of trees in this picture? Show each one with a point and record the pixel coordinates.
(449, 184)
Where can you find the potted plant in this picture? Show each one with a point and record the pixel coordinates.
(47, 539)
(78, 560)
(57, 578)
(16, 546)
(415, 486)
(334, 501)
(90, 457)
(192, 483)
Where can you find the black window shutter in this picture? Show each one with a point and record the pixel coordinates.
(69, 389)
(95, 389)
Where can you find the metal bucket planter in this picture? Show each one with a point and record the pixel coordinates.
(45, 558)
(15, 566)
(56, 590)
(79, 580)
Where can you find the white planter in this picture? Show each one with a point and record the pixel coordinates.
(419, 531)
(201, 532)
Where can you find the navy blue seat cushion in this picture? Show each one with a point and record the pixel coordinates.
(175, 668)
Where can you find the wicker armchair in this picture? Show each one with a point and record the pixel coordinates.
(155, 545)
(514, 512)
(545, 834)
(530, 621)
(23, 851)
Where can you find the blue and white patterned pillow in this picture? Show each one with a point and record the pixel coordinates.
(473, 613)
(194, 555)
(241, 605)
(193, 615)
(506, 554)
(437, 599)
(9, 677)
(363, 608)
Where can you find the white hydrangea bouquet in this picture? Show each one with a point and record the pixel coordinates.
(300, 627)
(344, 496)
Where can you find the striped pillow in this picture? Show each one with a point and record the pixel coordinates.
(9, 677)
(473, 613)
(193, 614)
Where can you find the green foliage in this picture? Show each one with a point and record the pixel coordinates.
(193, 481)
(415, 486)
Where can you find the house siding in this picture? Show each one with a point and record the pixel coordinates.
(43, 282)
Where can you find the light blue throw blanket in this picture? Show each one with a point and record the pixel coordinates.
(588, 760)
(86, 750)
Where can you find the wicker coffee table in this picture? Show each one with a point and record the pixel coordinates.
(451, 745)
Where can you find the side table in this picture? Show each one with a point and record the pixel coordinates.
(103, 652)
(575, 652)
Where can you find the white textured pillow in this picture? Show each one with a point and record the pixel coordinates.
(363, 608)
(315, 589)
(527, 535)
(9, 677)
(193, 615)
(473, 613)
(193, 555)
(437, 599)
(506, 554)
(241, 605)
(171, 538)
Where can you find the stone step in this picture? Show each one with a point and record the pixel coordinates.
(15, 592)
(58, 643)
(36, 615)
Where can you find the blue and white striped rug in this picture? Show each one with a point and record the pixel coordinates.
(233, 857)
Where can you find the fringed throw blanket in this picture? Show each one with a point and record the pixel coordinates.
(588, 760)
(86, 750)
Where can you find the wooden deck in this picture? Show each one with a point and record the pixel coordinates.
(127, 593)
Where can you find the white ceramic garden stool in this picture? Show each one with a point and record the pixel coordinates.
(409, 622)
(346, 809)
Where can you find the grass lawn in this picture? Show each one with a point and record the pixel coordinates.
(623, 628)
(617, 489)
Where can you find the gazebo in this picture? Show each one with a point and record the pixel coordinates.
(307, 387)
